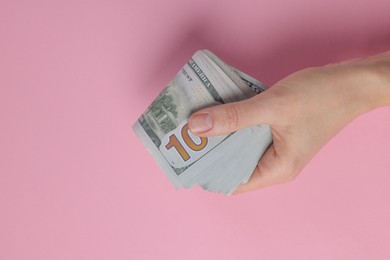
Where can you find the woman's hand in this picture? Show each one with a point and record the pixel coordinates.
(305, 110)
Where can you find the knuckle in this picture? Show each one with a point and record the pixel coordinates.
(232, 117)
(292, 173)
(288, 171)
(290, 177)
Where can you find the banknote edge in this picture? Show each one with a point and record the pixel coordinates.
(155, 153)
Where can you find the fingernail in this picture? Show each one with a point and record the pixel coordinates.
(200, 123)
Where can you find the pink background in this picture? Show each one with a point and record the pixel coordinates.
(75, 183)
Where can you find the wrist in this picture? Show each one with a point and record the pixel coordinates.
(372, 76)
(366, 83)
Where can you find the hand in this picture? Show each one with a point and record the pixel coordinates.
(305, 110)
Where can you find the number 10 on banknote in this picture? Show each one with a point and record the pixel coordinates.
(182, 148)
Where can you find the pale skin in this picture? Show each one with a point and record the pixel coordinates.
(305, 110)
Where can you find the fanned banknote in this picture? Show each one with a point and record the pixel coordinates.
(219, 163)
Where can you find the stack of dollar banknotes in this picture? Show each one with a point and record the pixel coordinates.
(218, 163)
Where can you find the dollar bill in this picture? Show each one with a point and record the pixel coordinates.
(217, 163)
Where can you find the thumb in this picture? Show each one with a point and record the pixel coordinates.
(227, 118)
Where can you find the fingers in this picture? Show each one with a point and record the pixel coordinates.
(272, 169)
(229, 117)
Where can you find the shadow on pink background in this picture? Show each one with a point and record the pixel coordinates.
(75, 183)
